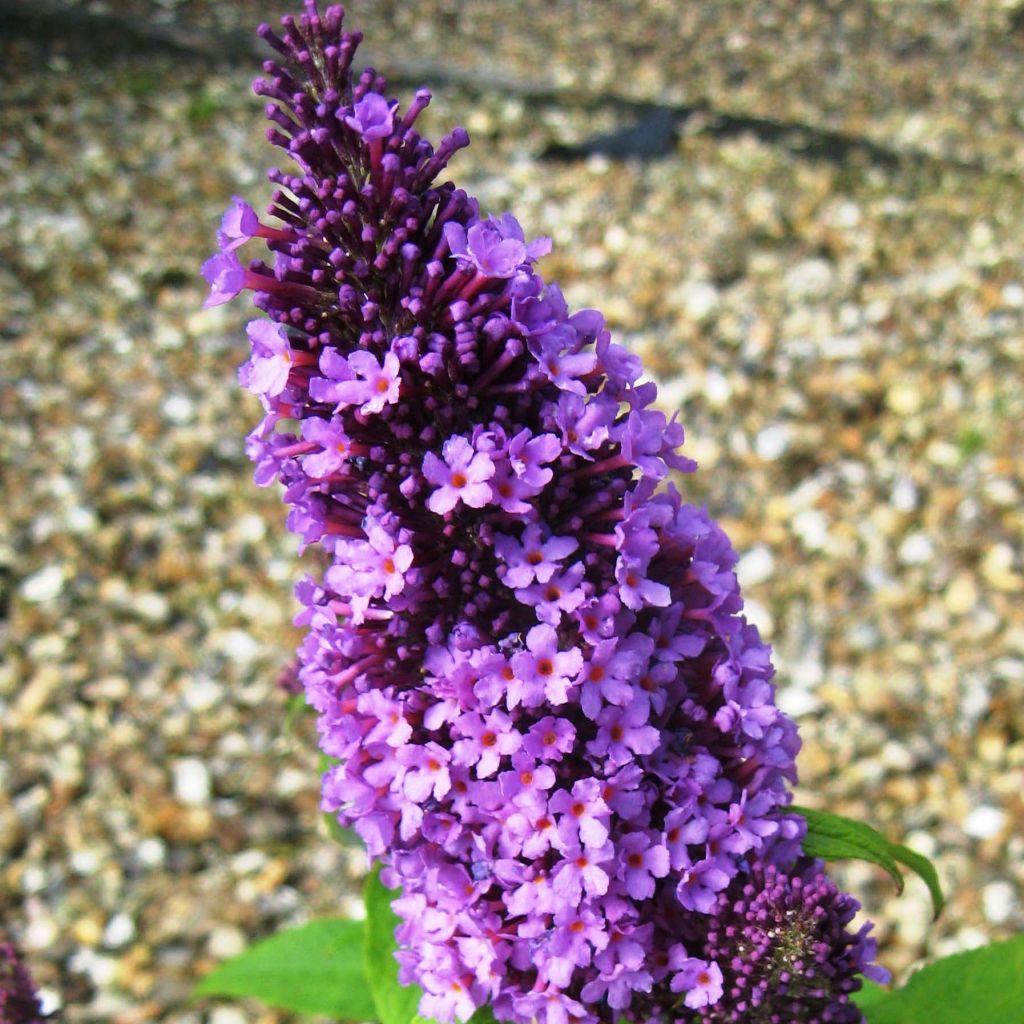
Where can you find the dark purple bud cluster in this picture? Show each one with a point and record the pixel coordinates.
(786, 952)
(552, 724)
(19, 1003)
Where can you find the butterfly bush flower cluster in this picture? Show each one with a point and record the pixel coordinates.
(552, 725)
(19, 1001)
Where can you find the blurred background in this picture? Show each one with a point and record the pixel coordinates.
(807, 218)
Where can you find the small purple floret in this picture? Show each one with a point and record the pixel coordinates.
(225, 276)
(238, 225)
(373, 117)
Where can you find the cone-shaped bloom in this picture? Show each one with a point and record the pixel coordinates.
(554, 727)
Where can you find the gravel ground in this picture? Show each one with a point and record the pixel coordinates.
(807, 218)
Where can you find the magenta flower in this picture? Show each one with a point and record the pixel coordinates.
(698, 884)
(496, 247)
(544, 671)
(225, 276)
(643, 861)
(583, 815)
(238, 225)
(549, 720)
(375, 385)
(700, 980)
(532, 559)
(373, 117)
(266, 372)
(334, 444)
(460, 475)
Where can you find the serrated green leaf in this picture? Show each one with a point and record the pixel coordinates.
(395, 1003)
(981, 986)
(316, 968)
(833, 837)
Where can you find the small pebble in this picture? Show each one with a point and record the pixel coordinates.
(755, 566)
(984, 822)
(773, 442)
(120, 930)
(192, 781)
(44, 585)
(226, 942)
(916, 549)
(227, 1015)
(1000, 902)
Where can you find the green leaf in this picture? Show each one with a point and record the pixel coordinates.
(294, 707)
(981, 986)
(395, 1003)
(833, 837)
(316, 969)
(870, 995)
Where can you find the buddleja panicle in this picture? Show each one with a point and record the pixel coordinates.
(19, 1001)
(553, 725)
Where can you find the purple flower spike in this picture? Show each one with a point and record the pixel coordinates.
(19, 1003)
(552, 725)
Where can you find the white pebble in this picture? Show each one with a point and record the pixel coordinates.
(191, 781)
(34, 879)
(250, 528)
(904, 495)
(916, 549)
(227, 1015)
(43, 585)
(808, 280)
(202, 694)
(49, 1001)
(811, 527)
(717, 389)
(896, 758)
(984, 822)
(119, 932)
(151, 852)
(81, 520)
(225, 942)
(102, 970)
(291, 781)
(797, 702)
(999, 901)
(248, 862)
(758, 615)
(239, 646)
(179, 409)
(41, 933)
(773, 442)
(151, 606)
(756, 566)
(85, 862)
(699, 299)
